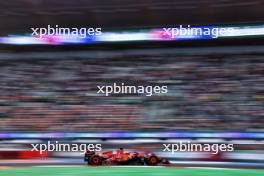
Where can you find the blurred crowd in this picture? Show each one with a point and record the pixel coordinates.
(211, 92)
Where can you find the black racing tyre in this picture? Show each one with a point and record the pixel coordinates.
(95, 160)
(152, 160)
(87, 155)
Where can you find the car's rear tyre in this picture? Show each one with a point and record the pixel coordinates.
(152, 160)
(87, 155)
(95, 160)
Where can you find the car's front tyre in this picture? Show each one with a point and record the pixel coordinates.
(152, 160)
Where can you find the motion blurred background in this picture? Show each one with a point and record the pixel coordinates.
(48, 90)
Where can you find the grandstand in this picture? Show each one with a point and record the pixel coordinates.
(220, 92)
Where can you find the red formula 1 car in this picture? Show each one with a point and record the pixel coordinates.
(122, 158)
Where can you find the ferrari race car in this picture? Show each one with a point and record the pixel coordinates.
(122, 158)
